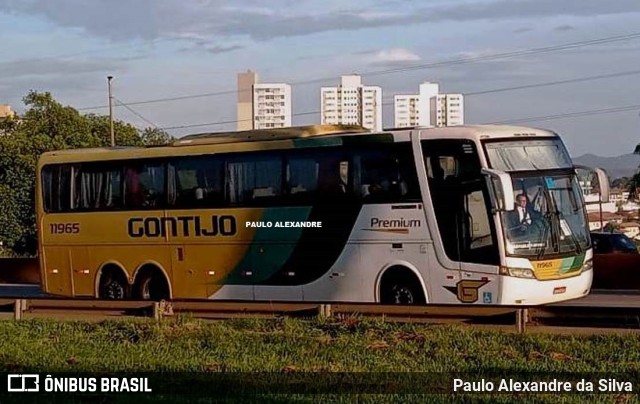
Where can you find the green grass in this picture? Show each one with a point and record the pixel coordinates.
(290, 346)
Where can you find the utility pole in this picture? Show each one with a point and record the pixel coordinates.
(113, 138)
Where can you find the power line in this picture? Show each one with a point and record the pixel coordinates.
(507, 122)
(229, 122)
(554, 83)
(136, 113)
(390, 102)
(452, 62)
(570, 115)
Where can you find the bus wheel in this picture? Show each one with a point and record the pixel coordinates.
(113, 287)
(153, 286)
(401, 287)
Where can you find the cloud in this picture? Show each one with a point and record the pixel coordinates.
(522, 30)
(565, 28)
(57, 67)
(176, 19)
(394, 57)
(223, 49)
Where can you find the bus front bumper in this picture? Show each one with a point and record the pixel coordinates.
(521, 291)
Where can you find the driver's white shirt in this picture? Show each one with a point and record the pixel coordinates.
(521, 215)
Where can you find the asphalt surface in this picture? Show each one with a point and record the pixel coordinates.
(597, 298)
(20, 291)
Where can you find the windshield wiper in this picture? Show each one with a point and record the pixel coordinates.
(571, 235)
(546, 217)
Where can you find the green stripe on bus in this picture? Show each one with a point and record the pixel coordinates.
(369, 139)
(311, 142)
(271, 247)
(571, 264)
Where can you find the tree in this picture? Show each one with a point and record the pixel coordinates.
(46, 125)
(156, 137)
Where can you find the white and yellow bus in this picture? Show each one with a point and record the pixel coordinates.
(320, 213)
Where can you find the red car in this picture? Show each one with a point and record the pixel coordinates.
(616, 262)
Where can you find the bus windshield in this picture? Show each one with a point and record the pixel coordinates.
(525, 155)
(548, 219)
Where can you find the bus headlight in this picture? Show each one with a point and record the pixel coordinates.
(517, 272)
(587, 266)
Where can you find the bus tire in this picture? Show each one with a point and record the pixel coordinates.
(152, 285)
(113, 285)
(402, 287)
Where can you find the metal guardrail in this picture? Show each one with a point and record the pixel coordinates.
(602, 311)
(29, 308)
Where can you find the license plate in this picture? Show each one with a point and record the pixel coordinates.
(557, 291)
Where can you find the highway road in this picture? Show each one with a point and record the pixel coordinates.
(20, 290)
(597, 298)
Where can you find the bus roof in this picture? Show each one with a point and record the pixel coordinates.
(285, 138)
(481, 132)
(259, 135)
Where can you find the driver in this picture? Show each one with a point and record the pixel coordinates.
(523, 216)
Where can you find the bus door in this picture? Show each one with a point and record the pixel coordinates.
(462, 213)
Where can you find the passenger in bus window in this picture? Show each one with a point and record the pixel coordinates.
(344, 176)
(134, 194)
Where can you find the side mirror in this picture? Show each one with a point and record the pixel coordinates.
(602, 178)
(500, 188)
(603, 182)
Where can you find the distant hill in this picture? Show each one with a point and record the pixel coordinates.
(619, 166)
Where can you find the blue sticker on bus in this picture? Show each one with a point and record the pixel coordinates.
(487, 297)
(551, 182)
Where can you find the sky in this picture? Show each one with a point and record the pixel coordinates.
(193, 49)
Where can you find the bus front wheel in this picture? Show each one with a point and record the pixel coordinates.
(401, 287)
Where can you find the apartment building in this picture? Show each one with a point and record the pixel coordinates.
(6, 111)
(429, 108)
(262, 105)
(449, 110)
(271, 105)
(352, 103)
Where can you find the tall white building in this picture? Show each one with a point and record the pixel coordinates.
(429, 108)
(449, 110)
(271, 105)
(262, 105)
(352, 103)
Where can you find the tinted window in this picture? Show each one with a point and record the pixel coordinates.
(98, 186)
(317, 176)
(144, 185)
(385, 175)
(196, 182)
(56, 188)
(254, 179)
(624, 243)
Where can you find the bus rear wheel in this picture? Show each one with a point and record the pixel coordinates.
(401, 287)
(153, 286)
(113, 286)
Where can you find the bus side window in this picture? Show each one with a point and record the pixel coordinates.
(144, 185)
(385, 175)
(198, 182)
(254, 179)
(56, 188)
(333, 178)
(302, 175)
(97, 186)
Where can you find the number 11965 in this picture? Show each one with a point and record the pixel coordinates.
(64, 228)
